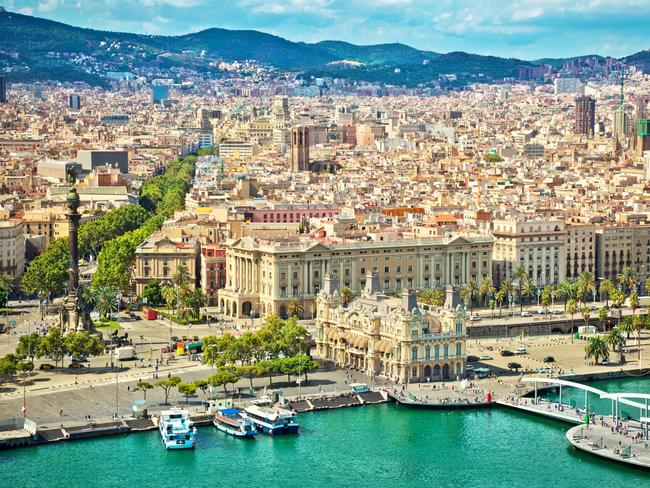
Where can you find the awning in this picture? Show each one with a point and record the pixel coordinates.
(363, 343)
(379, 346)
(388, 347)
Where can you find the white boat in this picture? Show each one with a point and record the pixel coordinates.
(234, 422)
(176, 429)
(272, 421)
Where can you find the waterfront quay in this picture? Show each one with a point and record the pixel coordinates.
(625, 445)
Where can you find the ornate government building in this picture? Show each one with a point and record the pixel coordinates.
(391, 337)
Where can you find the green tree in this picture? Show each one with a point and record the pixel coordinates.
(223, 377)
(152, 293)
(82, 344)
(614, 339)
(492, 305)
(346, 296)
(596, 349)
(303, 364)
(48, 272)
(187, 389)
(29, 346)
(567, 290)
(637, 323)
(293, 338)
(626, 326)
(167, 385)
(6, 287)
(468, 293)
(572, 309)
(170, 295)
(202, 385)
(249, 371)
(586, 285)
(501, 296)
(628, 279)
(618, 298)
(53, 346)
(143, 386)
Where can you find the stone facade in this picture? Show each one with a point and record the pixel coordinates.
(392, 338)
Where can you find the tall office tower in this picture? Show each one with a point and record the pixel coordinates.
(3, 89)
(585, 116)
(74, 102)
(159, 93)
(299, 149)
(37, 91)
(203, 118)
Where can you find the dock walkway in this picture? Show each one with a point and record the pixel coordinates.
(601, 441)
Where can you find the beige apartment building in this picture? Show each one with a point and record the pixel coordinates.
(12, 248)
(159, 257)
(538, 246)
(580, 249)
(392, 337)
(619, 246)
(264, 276)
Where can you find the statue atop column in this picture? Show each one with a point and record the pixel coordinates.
(74, 315)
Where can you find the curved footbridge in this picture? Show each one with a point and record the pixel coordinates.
(610, 437)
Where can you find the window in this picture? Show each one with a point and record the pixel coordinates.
(386, 269)
(436, 352)
(427, 352)
(459, 349)
(414, 372)
(446, 350)
(414, 354)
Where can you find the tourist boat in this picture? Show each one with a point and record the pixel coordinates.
(234, 422)
(176, 429)
(272, 421)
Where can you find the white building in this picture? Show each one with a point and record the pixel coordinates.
(567, 85)
(12, 248)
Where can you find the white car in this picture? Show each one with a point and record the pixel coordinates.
(545, 370)
(542, 311)
(475, 318)
(521, 350)
(526, 314)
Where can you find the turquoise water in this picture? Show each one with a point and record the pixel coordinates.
(375, 446)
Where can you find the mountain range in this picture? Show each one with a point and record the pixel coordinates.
(37, 48)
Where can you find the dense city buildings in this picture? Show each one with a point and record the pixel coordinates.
(585, 113)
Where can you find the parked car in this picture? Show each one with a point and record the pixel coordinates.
(475, 318)
(543, 310)
(521, 350)
(46, 366)
(506, 353)
(485, 358)
(76, 365)
(472, 358)
(557, 311)
(514, 365)
(549, 359)
(605, 362)
(545, 370)
(469, 368)
(526, 314)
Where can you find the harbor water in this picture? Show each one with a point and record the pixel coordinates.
(375, 446)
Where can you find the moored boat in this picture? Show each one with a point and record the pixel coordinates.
(272, 421)
(177, 430)
(234, 422)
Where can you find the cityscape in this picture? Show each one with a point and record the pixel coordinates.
(220, 235)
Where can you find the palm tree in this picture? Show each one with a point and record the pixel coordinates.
(294, 309)
(567, 290)
(521, 276)
(504, 293)
(606, 288)
(614, 339)
(634, 301)
(585, 314)
(486, 288)
(107, 301)
(627, 278)
(618, 297)
(170, 295)
(181, 276)
(603, 313)
(637, 323)
(468, 292)
(499, 297)
(586, 285)
(647, 286)
(596, 349)
(347, 295)
(571, 308)
(492, 304)
(528, 290)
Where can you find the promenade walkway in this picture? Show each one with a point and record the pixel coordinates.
(625, 446)
(554, 410)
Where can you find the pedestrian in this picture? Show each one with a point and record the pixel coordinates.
(61, 413)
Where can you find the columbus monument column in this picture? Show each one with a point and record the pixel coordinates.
(73, 323)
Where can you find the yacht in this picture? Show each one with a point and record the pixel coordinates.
(234, 422)
(272, 421)
(177, 430)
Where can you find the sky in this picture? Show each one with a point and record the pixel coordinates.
(527, 29)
